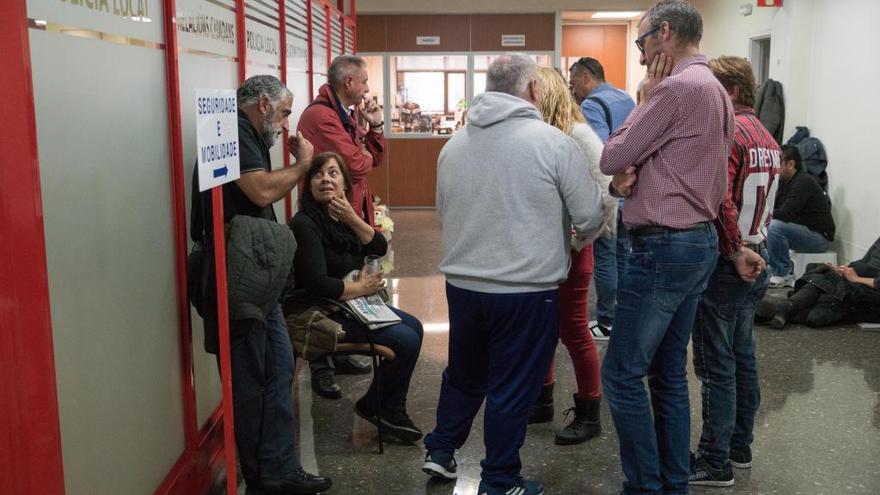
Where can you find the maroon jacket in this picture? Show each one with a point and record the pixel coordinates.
(330, 127)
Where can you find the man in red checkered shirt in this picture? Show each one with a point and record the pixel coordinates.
(670, 160)
(723, 336)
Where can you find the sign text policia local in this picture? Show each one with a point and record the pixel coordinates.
(217, 137)
(121, 8)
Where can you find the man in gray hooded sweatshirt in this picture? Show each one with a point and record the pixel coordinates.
(509, 189)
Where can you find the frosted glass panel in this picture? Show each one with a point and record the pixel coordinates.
(106, 195)
(262, 38)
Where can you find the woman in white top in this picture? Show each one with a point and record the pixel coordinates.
(560, 110)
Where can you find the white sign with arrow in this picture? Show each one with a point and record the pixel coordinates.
(217, 137)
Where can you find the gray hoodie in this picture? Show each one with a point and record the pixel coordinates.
(509, 188)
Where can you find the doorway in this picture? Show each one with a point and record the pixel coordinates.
(759, 56)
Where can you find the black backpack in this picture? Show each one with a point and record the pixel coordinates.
(813, 157)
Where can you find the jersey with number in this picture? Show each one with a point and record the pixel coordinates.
(752, 173)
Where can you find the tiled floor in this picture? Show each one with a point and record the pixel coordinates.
(818, 430)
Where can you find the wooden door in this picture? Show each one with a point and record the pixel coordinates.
(605, 43)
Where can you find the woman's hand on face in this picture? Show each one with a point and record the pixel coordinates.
(341, 210)
(371, 283)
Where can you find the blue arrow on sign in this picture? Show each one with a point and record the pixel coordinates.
(221, 172)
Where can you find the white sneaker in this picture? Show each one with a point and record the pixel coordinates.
(778, 282)
(599, 331)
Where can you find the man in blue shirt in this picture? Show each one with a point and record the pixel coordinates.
(605, 108)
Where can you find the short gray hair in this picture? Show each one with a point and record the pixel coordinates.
(258, 86)
(511, 74)
(684, 19)
(342, 67)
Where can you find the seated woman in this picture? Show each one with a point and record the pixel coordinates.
(332, 240)
(827, 295)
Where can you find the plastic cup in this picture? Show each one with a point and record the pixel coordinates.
(372, 264)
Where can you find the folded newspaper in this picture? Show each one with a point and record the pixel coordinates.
(371, 310)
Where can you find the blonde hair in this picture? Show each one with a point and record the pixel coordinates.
(557, 105)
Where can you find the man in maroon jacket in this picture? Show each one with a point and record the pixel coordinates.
(724, 335)
(331, 123)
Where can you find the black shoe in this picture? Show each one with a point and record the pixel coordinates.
(324, 384)
(300, 483)
(542, 409)
(585, 424)
(741, 457)
(397, 423)
(348, 365)
(781, 317)
(703, 474)
(440, 464)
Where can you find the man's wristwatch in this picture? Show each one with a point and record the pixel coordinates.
(373, 127)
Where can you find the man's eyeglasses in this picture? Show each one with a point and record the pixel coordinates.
(640, 41)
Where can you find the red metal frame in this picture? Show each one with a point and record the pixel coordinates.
(30, 446)
(352, 16)
(342, 32)
(178, 195)
(223, 329)
(327, 17)
(282, 40)
(311, 61)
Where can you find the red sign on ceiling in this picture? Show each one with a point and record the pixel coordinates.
(769, 3)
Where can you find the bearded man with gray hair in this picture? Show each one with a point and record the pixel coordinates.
(509, 189)
(261, 353)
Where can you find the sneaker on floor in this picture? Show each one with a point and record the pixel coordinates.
(599, 331)
(703, 474)
(397, 423)
(741, 457)
(779, 282)
(440, 464)
(519, 487)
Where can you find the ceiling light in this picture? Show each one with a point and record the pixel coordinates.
(616, 15)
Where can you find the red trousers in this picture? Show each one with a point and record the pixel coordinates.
(574, 326)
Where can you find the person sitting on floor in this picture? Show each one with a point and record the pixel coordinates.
(332, 241)
(802, 218)
(828, 295)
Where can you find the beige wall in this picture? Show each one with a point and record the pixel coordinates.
(820, 54)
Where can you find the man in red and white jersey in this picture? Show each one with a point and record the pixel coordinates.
(723, 336)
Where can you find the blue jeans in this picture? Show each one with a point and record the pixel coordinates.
(262, 397)
(500, 346)
(610, 260)
(782, 236)
(665, 275)
(725, 362)
(405, 339)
